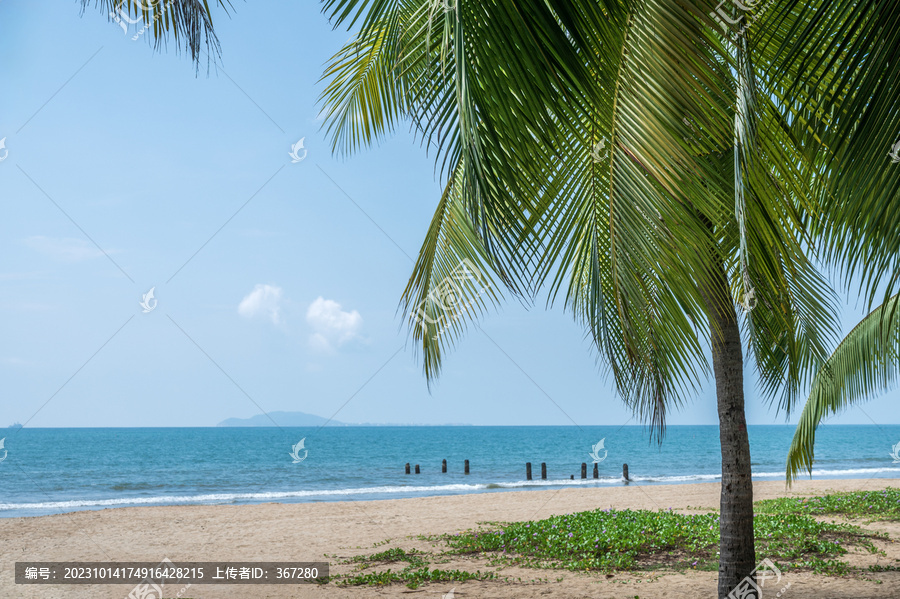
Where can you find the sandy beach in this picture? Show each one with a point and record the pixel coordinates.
(335, 531)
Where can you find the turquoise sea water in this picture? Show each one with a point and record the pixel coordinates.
(58, 470)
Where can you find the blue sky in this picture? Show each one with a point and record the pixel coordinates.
(277, 282)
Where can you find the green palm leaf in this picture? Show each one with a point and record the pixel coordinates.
(864, 364)
(453, 280)
(521, 93)
(835, 62)
(188, 22)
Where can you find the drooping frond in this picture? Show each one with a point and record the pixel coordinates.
(368, 86)
(793, 326)
(453, 280)
(865, 364)
(188, 23)
(835, 62)
(628, 228)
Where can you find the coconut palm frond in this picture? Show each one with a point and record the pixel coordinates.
(187, 23)
(865, 364)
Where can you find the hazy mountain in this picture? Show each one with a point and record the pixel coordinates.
(282, 419)
(304, 419)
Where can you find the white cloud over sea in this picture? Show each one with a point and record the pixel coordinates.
(332, 326)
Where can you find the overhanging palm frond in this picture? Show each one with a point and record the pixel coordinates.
(453, 281)
(368, 87)
(794, 324)
(188, 22)
(864, 364)
(521, 93)
(836, 65)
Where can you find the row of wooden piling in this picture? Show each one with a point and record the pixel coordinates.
(528, 470)
(572, 476)
(443, 467)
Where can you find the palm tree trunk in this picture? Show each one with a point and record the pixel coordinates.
(737, 552)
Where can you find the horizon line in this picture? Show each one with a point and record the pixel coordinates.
(394, 425)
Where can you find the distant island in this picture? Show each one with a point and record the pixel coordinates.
(304, 419)
(15, 425)
(282, 419)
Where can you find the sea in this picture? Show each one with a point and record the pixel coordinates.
(56, 470)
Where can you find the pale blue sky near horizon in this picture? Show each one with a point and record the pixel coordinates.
(290, 304)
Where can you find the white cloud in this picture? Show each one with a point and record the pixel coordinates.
(13, 361)
(264, 300)
(67, 249)
(332, 327)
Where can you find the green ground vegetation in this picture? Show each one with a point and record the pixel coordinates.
(790, 531)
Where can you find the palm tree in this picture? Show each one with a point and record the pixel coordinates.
(648, 160)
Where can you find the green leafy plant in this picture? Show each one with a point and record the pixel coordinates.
(883, 504)
(635, 539)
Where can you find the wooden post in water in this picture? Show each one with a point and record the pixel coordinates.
(583, 470)
(407, 467)
(444, 467)
(571, 477)
(596, 471)
(543, 470)
(417, 469)
(467, 466)
(527, 470)
(625, 471)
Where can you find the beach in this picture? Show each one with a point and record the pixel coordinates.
(335, 531)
